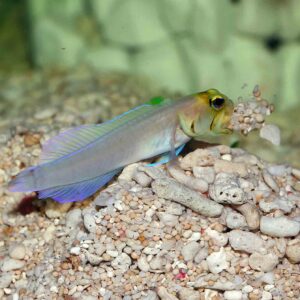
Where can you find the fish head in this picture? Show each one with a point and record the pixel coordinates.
(208, 114)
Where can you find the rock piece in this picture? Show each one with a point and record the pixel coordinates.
(264, 263)
(269, 180)
(211, 295)
(271, 133)
(219, 239)
(246, 241)
(73, 218)
(268, 205)
(194, 183)
(89, 223)
(226, 189)
(121, 262)
(56, 210)
(164, 294)
(190, 250)
(128, 172)
(93, 259)
(251, 214)
(224, 166)
(293, 251)
(233, 295)
(205, 173)
(217, 261)
(188, 294)
(17, 251)
(172, 190)
(142, 179)
(5, 280)
(201, 255)
(143, 264)
(234, 220)
(150, 295)
(10, 264)
(167, 219)
(279, 226)
(200, 157)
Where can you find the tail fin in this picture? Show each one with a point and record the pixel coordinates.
(24, 182)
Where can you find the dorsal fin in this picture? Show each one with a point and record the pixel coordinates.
(76, 138)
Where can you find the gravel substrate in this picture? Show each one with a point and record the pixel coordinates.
(220, 224)
(149, 235)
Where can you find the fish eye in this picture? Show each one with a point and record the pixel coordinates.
(217, 103)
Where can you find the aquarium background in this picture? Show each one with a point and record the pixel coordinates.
(110, 55)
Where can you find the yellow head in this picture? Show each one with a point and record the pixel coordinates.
(209, 114)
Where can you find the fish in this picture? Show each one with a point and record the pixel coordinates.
(79, 161)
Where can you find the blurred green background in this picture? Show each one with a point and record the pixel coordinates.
(53, 50)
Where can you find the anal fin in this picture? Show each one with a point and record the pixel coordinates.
(77, 191)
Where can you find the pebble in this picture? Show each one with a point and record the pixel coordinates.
(233, 295)
(279, 226)
(5, 280)
(56, 210)
(268, 205)
(246, 241)
(188, 294)
(201, 255)
(211, 295)
(174, 209)
(271, 133)
(73, 218)
(93, 259)
(158, 263)
(217, 261)
(234, 220)
(293, 251)
(167, 219)
(142, 179)
(247, 289)
(172, 190)
(219, 239)
(226, 190)
(225, 166)
(89, 223)
(205, 173)
(17, 251)
(49, 233)
(164, 294)
(197, 184)
(264, 263)
(75, 250)
(269, 180)
(10, 264)
(266, 296)
(128, 172)
(251, 214)
(200, 157)
(190, 250)
(150, 295)
(143, 264)
(121, 262)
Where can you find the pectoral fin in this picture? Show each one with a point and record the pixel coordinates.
(166, 157)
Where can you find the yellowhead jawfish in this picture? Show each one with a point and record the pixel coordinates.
(79, 161)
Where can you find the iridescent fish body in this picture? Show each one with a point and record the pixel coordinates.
(79, 161)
